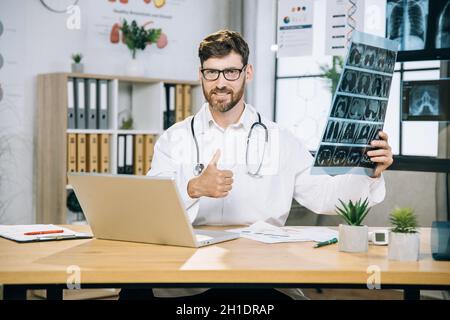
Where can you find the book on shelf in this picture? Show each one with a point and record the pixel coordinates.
(149, 143)
(178, 103)
(81, 152)
(179, 109)
(92, 153)
(139, 154)
(187, 100)
(71, 152)
(103, 153)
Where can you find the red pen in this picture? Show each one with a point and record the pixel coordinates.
(33, 233)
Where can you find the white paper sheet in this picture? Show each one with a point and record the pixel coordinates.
(267, 233)
(295, 28)
(16, 233)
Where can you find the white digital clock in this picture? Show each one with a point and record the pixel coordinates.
(379, 237)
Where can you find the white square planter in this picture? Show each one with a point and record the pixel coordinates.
(77, 67)
(404, 246)
(135, 68)
(353, 238)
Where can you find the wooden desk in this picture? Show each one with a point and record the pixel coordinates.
(239, 262)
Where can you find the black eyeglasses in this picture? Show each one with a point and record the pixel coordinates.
(230, 74)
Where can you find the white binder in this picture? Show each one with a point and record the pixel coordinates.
(91, 102)
(102, 104)
(129, 154)
(71, 116)
(80, 109)
(121, 154)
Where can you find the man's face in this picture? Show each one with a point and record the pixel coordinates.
(222, 94)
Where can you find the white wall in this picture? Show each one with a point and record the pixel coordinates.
(260, 32)
(44, 44)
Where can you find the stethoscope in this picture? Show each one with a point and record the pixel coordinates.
(199, 167)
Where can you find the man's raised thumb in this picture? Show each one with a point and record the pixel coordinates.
(215, 158)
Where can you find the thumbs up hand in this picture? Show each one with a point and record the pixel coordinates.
(212, 182)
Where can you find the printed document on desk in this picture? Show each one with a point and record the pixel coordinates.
(267, 233)
(39, 232)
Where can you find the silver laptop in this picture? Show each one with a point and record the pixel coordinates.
(139, 209)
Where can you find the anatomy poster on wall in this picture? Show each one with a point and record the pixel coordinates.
(105, 18)
(295, 28)
(359, 107)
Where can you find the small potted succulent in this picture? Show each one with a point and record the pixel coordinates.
(353, 237)
(77, 66)
(404, 239)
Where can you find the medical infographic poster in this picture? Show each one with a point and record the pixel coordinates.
(295, 28)
(359, 107)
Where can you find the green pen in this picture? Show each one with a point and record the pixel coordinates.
(325, 243)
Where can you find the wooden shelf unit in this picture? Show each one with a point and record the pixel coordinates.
(147, 100)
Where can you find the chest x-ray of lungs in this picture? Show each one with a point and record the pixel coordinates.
(443, 28)
(407, 23)
(424, 101)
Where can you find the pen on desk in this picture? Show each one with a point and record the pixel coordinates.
(57, 237)
(34, 233)
(325, 243)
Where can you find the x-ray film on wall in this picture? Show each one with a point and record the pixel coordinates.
(422, 28)
(426, 100)
(359, 107)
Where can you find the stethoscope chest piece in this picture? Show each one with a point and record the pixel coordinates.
(198, 169)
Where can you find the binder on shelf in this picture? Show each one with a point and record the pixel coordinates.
(187, 100)
(169, 114)
(81, 152)
(71, 116)
(166, 107)
(121, 154)
(172, 105)
(179, 116)
(91, 103)
(102, 104)
(71, 152)
(129, 154)
(139, 154)
(103, 153)
(80, 109)
(149, 143)
(92, 153)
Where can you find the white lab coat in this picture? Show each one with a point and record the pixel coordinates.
(285, 174)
